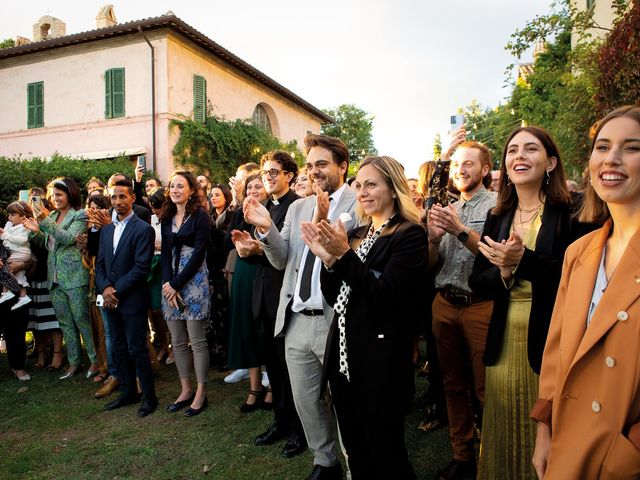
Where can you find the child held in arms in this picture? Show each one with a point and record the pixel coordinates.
(15, 248)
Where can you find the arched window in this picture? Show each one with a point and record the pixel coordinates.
(260, 118)
(44, 30)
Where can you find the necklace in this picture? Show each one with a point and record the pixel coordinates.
(537, 212)
(537, 207)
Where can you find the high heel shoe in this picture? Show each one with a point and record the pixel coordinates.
(55, 367)
(92, 373)
(71, 372)
(267, 405)
(192, 412)
(250, 407)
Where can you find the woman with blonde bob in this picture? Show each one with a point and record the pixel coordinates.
(374, 278)
(588, 407)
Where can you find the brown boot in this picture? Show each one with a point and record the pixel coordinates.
(110, 385)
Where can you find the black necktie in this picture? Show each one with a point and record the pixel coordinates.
(307, 272)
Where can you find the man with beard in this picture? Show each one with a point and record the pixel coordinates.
(124, 261)
(303, 317)
(461, 318)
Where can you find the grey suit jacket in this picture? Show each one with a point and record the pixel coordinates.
(284, 250)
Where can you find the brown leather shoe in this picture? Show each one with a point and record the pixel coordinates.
(111, 384)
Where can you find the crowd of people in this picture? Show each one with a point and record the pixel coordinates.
(326, 283)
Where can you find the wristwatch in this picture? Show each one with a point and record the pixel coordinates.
(463, 236)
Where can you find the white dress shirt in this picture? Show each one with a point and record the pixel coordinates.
(119, 225)
(314, 302)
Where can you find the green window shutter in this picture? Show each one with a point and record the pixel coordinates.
(118, 92)
(108, 110)
(35, 105)
(114, 93)
(40, 104)
(199, 98)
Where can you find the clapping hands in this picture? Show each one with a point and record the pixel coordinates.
(245, 245)
(327, 242)
(505, 255)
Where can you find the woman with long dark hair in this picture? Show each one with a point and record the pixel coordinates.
(519, 263)
(221, 213)
(67, 279)
(185, 287)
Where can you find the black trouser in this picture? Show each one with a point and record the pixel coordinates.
(374, 444)
(129, 341)
(14, 324)
(284, 410)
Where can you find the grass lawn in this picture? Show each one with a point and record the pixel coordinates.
(55, 429)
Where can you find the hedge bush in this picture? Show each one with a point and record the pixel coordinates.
(20, 174)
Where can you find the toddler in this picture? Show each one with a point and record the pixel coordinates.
(15, 247)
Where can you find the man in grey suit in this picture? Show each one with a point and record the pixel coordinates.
(303, 316)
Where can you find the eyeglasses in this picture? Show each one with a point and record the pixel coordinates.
(272, 173)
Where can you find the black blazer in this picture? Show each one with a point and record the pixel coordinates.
(387, 292)
(268, 281)
(126, 270)
(194, 232)
(542, 267)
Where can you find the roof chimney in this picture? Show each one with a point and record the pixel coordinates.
(106, 17)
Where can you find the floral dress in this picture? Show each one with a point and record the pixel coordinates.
(195, 293)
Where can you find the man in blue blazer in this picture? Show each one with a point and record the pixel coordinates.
(124, 261)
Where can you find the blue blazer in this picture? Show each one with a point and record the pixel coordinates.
(127, 268)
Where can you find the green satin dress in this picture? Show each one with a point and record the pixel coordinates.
(511, 389)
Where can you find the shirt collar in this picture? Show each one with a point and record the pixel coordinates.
(123, 222)
(477, 197)
(337, 195)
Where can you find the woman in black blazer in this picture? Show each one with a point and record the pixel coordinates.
(369, 355)
(519, 265)
(185, 286)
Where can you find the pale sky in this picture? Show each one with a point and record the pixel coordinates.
(410, 63)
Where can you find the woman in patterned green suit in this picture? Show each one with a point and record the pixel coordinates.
(67, 279)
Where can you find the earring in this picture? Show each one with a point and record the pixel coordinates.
(548, 179)
(509, 182)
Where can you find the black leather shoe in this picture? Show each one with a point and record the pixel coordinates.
(294, 446)
(326, 473)
(272, 435)
(459, 470)
(147, 407)
(192, 412)
(121, 401)
(174, 407)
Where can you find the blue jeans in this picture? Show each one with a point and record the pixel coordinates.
(112, 367)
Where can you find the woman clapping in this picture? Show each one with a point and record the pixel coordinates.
(374, 278)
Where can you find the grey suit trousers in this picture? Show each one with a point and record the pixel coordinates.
(305, 342)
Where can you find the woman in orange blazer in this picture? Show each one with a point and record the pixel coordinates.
(588, 410)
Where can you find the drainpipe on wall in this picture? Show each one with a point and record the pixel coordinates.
(153, 102)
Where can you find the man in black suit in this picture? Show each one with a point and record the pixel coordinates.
(124, 261)
(278, 171)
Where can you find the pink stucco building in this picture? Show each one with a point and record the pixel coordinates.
(93, 94)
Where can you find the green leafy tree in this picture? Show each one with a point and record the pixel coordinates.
(619, 64)
(7, 43)
(437, 146)
(354, 127)
(21, 174)
(218, 146)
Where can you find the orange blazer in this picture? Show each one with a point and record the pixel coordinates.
(590, 379)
